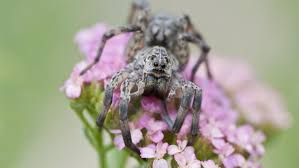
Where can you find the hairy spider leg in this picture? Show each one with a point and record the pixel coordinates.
(194, 36)
(115, 81)
(183, 109)
(189, 37)
(137, 7)
(108, 35)
(165, 115)
(125, 98)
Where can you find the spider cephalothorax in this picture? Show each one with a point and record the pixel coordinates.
(173, 33)
(153, 72)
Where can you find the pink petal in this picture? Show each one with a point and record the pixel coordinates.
(233, 161)
(115, 131)
(180, 159)
(72, 88)
(189, 154)
(161, 149)
(136, 136)
(222, 147)
(148, 152)
(143, 120)
(154, 125)
(194, 164)
(119, 142)
(182, 144)
(151, 104)
(157, 136)
(160, 163)
(173, 149)
(186, 127)
(209, 164)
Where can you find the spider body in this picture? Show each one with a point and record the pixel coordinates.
(171, 32)
(152, 72)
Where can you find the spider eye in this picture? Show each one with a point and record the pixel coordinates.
(167, 60)
(152, 57)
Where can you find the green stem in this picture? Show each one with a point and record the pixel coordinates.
(99, 146)
(102, 152)
(108, 148)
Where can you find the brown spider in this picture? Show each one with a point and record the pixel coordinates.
(173, 33)
(152, 72)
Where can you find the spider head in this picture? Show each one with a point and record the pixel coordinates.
(158, 63)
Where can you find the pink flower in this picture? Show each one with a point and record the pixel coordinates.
(237, 160)
(112, 59)
(88, 39)
(151, 104)
(154, 128)
(223, 148)
(211, 130)
(234, 161)
(186, 127)
(174, 149)
(73, 86)
(209, 164)
(187, 158)
(118, 139)
(160, 163)
(259, 112)
(240, 83)
(247, 138)
(157, 153)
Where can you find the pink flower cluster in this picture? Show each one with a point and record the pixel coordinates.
(235, 145)
(112, 59)
(240, 84)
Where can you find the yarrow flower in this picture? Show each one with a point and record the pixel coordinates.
(156, 152)
(118, 139)
(248, 94)
(234, 96)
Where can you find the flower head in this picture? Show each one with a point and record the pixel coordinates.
(235, 95)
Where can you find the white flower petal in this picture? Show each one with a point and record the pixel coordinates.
(160, 163)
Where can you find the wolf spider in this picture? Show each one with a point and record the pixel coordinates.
(152, 72)
(173, 33)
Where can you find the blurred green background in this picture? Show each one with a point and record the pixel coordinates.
(38, 129)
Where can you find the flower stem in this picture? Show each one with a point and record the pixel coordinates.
(97, 136)
(102, 156)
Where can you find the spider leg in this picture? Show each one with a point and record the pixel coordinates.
(165, 115)
(139, 15)
(115, 81)
(192, 38)
(125, 98)
(200, 41)
(124, 126)
(136, 7)
(109, 34)
(183, 109)
(195, 111)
